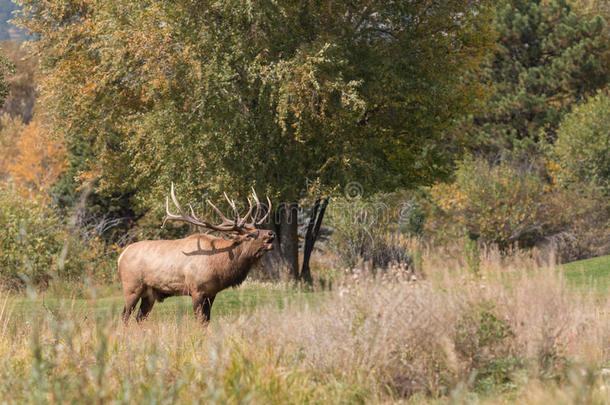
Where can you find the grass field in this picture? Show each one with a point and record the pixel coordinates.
(455, 337)
(593, 272)
(232, 302)
(585, 274)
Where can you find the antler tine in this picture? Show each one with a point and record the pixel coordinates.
(263, 219)
(219, 212)
(193, 214)
(168, 215)
(258, 206)
(245, 218)
(232, 204)
(175, 200)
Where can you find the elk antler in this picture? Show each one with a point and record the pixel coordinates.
(237, 224)
(255, 220)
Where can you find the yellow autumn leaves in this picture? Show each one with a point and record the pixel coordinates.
(33, 159)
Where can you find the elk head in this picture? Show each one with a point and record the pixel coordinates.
(238, 229)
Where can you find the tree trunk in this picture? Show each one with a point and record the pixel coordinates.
(287, 230)
(313, 229)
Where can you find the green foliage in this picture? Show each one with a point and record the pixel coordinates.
(548, 58)
(479, 330)
(32, 240)
(473, 255)
(225, 95)
(582, 148)
(38, 246)
(11, 129)
(492, 330)
(500, 204)
(481, 338)
(498, 375)
(509, 204)
(6, 67)
(412, 217)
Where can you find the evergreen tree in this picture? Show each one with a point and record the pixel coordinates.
(547, 59)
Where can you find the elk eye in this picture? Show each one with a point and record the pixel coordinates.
(252, 235)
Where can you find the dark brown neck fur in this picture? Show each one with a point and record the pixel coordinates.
(242, 255)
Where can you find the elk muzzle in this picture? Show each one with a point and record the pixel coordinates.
(269, 238)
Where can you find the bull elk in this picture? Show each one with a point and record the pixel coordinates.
(200, 265)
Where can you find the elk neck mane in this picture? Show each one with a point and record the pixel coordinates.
(233, 258)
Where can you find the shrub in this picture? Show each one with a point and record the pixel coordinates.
(506, 205)
(38, 246)
(412, 217)
(501, 204)
(32, 239)
(22, 82)
(86, 256)
(582, 148)
(582, 218)
(10, 131)
(368, 230)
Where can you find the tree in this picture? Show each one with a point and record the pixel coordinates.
(6, 67)
(548, 58)
(224, 95)
(582, 148)
(22, 83)
(313, 230)
(39, 160)
(10, 131)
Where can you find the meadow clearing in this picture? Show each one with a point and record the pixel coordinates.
(525, 334)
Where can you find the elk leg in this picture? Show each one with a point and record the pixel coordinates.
(202, 305)
(206, 308)
(145, 306)
(131, 301)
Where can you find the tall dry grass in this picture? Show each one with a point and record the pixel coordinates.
(512, 330)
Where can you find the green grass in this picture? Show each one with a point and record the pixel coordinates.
(354, 345)
(593, 273)
(231, 302)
